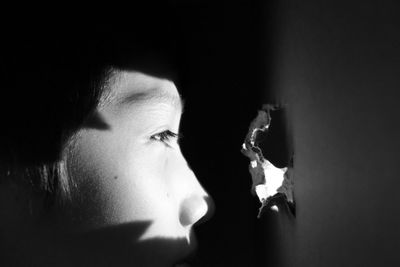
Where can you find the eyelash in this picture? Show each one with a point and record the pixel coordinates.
(165, 137)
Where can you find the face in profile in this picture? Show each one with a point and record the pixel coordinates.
(135, 197)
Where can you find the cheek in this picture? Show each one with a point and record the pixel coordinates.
(142, 183)
(121, 181)
(146, 173)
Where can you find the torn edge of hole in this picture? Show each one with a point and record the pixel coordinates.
(273, 186)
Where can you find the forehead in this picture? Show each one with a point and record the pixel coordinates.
(127, 88)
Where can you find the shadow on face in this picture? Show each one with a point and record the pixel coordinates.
(121, 246)
(110, 246)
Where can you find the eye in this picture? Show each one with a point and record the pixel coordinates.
(165, 137)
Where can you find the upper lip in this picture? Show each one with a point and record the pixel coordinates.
(189, 254)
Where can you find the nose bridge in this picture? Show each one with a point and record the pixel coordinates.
(197, 187)
(195, 203)
(189, 183)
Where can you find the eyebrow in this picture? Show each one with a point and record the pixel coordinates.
(153, 96)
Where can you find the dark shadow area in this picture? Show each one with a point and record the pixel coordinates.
(223, 61)
(276, 143)
(112, 246)
(282, 204)
(96, 121)
(120, 246)
(276, 235)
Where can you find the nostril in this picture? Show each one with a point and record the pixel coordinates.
(192, 209)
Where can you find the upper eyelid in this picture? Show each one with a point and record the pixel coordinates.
(177, 135)
(169, 140)
(171, 134)
(168, 133)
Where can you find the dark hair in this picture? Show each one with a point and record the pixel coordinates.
(46, 97)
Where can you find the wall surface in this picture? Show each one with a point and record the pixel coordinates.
(337, 67)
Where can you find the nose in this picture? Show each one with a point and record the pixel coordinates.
(192, 210)
(195, 206)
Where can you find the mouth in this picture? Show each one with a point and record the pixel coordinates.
(189, 257)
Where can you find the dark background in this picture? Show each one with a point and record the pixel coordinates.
(335, 64)
(224, 54)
